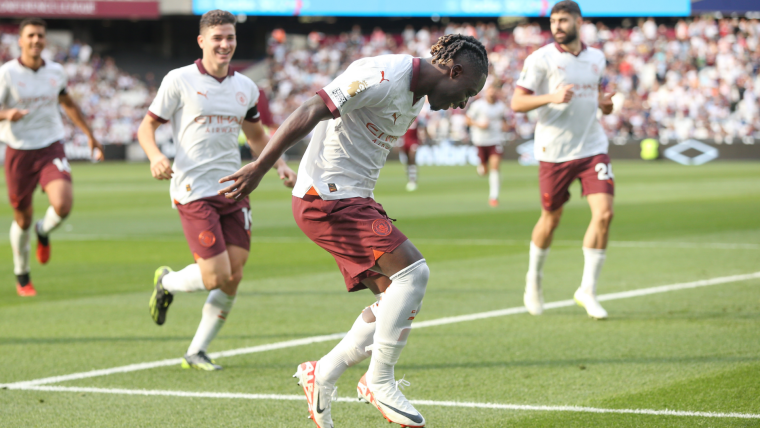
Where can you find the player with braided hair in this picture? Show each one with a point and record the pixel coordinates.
(356, 120)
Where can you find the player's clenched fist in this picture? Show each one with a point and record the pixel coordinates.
(287, 175)
(606, 103)
(161, 168)
(563, 94)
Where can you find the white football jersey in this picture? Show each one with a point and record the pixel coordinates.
(206, 114)
(36, 91)
(494, 113)
(373, 105)
(566, 131)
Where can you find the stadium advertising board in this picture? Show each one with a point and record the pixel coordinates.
(424, 8)
(79, 8)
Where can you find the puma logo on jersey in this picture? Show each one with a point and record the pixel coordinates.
(203, 95)
(395, 117)
(561, 68)
(382, 77)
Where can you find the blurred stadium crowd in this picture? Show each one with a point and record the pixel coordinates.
(697, 79)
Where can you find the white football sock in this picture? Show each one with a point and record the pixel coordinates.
(49, 223)
(401, 302)
(21, 248)
(536, 263)
(215, 311)
(493, 184)
(594, 260)
(350, 351)
(188, 280)
(411, 173)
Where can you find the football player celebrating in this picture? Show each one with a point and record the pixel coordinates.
(31, 89)
(207, 104)
(356, 119)
(563, 81)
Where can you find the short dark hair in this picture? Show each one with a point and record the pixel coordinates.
(568, 6)
(216, 17)
(31, 21)
(450, 45)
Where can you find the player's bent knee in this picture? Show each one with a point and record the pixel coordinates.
(368, 316)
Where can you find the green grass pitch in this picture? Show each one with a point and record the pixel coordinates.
(695, 350)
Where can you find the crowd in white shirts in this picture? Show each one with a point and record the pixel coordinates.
(695, 79)
(113, 101)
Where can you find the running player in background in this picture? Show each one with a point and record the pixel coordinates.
(358, 117)
(563, 81)
(487, 120)
(207, 104)
(410, 143)
(31, 90)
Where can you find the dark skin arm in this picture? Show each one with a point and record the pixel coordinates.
(296, 127)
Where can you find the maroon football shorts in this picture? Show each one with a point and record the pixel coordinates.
(485, 152)
(554, 179)
(24, 169)
(411, 141)
(356, 231)
(211, 224)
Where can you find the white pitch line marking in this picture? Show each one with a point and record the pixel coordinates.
(417, 325)
(280, 397)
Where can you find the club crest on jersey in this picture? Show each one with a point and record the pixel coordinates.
(53, 82)
(356, 87)
(207, 238)
(595, 68)
(241, 98)
(382, 227)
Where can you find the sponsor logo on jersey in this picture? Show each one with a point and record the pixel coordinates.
(356, 87)
(382, 77)
(382, 227)
(332, 187)
(381, 138)
(241, 98)
(395, 117)
(203, 95)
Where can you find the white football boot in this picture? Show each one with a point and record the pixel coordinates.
(589, 302)
(534, 296)
(319, 397)
(391, 402)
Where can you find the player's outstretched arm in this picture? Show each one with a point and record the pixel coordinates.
(296, 126)
(523, 101)
(160, 167)
(75, 114)
(258, 139)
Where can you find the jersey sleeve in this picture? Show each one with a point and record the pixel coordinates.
(4, 88)
(167, 100)
(253, 115)
(359, 86)
(532, 74)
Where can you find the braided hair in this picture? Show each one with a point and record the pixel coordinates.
(450, 45)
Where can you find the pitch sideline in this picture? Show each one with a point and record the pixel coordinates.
(421, 324)
(280, 397)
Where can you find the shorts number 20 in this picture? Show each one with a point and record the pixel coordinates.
(604, 171)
